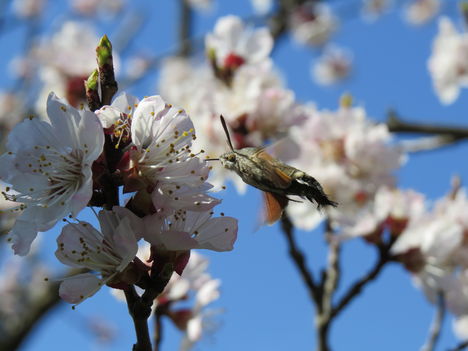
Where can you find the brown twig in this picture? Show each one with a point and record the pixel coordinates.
(299, 260)
(397, 125)
(185, 28)
(140, 313)
(329, 285)
(436, 327)
(460, 347)
(158, 330)
(140, 307)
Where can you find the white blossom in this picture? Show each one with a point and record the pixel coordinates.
(195, 282)
(313, 24)
(433, 248)
(48, 165)
(448, 64)
(107, 252)
(233, 45)
(66, 60)
(332, 67)
(390, 208)
(460, 326)
(187, 230)
(71, 50)
(160, 155)
(419, 12)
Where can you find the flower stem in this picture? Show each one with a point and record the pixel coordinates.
(299, 260)
(158, 330)
(140, 313)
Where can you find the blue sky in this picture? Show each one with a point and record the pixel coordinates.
(264, 305)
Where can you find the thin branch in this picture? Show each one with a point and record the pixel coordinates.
(185, 28)
(298, 258)
(140, 307)
(426, 143)
(460, 347)
(158, 330)
(38, 308)
(357, 287)
(436, 326)
(397, 125)
(331, 277)
(140, 314)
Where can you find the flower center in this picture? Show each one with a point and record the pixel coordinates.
(63, 174)
(233, 61)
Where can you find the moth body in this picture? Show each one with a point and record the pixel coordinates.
(259, 169)
(276, 179)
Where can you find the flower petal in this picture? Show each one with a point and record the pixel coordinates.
(79, 287)
(177, 241)
(218, 234)
(22, 235)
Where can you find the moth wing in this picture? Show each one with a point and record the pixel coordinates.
(273, 172)
(284, 149)
(274, 206)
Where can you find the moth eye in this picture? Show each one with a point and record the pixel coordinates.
(231, 158)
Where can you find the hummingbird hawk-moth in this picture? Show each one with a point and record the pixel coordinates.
(276, 179)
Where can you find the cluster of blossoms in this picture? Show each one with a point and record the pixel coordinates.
(432, 245)
(65, 60)
(241, 84)
(56, 166)
(448, 63)
(391, 210)
(430, 242)
(67, 158)
(353, 158)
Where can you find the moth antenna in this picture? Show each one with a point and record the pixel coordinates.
(211, 159)
(223, 122)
